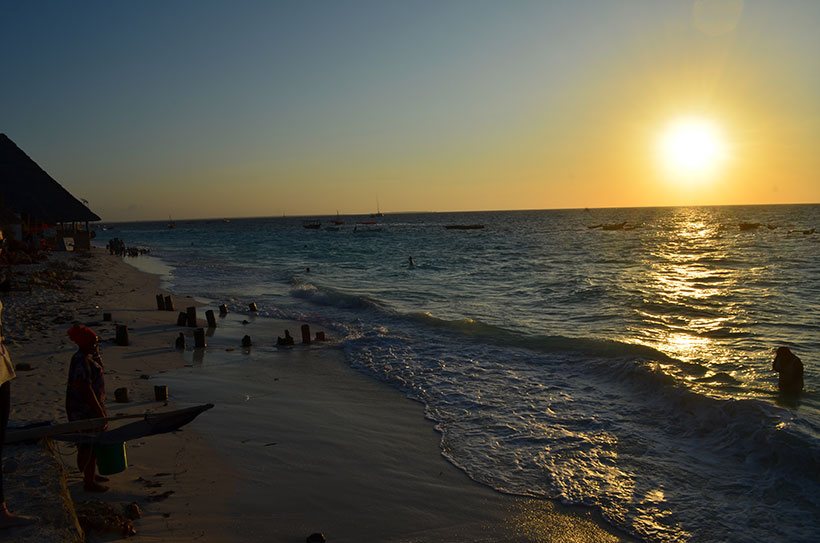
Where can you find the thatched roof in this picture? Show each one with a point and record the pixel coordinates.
(26, 189)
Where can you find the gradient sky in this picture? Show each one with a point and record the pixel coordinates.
(228, 109)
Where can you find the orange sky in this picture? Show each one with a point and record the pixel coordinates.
(468, 106)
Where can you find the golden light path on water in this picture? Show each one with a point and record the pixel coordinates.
(688, 290)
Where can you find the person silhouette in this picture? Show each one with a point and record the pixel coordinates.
(790, 371)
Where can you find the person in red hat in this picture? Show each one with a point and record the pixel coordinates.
(85, 397)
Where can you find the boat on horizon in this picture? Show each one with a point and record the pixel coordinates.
(338, 220)
(311, 224)
(463, 226)
(378, 212)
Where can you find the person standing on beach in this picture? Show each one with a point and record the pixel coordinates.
(7, 518)
(85, 397)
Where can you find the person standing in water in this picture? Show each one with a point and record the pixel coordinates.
(790, 371)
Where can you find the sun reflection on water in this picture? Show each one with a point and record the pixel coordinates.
(689, 308)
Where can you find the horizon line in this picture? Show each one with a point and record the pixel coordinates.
(386, 213)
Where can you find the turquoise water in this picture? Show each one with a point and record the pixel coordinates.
(628, 370)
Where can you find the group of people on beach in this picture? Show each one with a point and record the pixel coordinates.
(117, 247)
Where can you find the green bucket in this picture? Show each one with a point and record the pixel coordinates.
(111, 459)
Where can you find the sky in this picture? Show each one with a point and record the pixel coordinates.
(195, 109)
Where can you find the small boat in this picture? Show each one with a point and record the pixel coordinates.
(312, 224)
(338, 220)
(463, 226)
(87, 430)
(378, 212)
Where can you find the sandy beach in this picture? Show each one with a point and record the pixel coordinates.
(297, 443)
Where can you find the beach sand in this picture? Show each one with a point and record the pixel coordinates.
(298, 442)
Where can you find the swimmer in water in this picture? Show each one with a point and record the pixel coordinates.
(410, 263)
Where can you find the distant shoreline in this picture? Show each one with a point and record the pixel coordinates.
(402, 213)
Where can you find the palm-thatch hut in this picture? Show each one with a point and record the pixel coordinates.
(38, 201)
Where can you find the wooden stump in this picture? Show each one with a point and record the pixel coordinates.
(121, 395)
(305, 333)
(160, 303)
(122, 335)
(169, 304)
(199, 338)
(161, 393)
(107, 317)
(182, 319)
(209, 315)
(191, 317)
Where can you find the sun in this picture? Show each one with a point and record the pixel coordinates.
(692, 149)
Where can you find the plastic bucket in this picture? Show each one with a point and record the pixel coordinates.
(111, 458)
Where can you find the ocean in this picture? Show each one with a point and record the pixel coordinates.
(629, 370)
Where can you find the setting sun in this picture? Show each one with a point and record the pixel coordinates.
(692, 148)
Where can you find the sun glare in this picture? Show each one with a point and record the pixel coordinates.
(692, 149)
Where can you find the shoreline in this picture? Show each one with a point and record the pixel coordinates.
(391, 481)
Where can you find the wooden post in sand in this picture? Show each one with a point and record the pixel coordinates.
(160, 303)
(211, 319)
(191, 316)
(199, 338)
(305, 333)
(122, 335)
(161, 393)
(182, 319)
(169, 304)
(121, 395)
(107, 317)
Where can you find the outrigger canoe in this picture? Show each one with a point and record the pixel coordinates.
(81, 431)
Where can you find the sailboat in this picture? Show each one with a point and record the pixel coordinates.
(378, 212)
(338, 220)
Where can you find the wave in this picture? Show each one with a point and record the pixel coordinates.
(495, 335)
(330, 297)
(601, 429)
